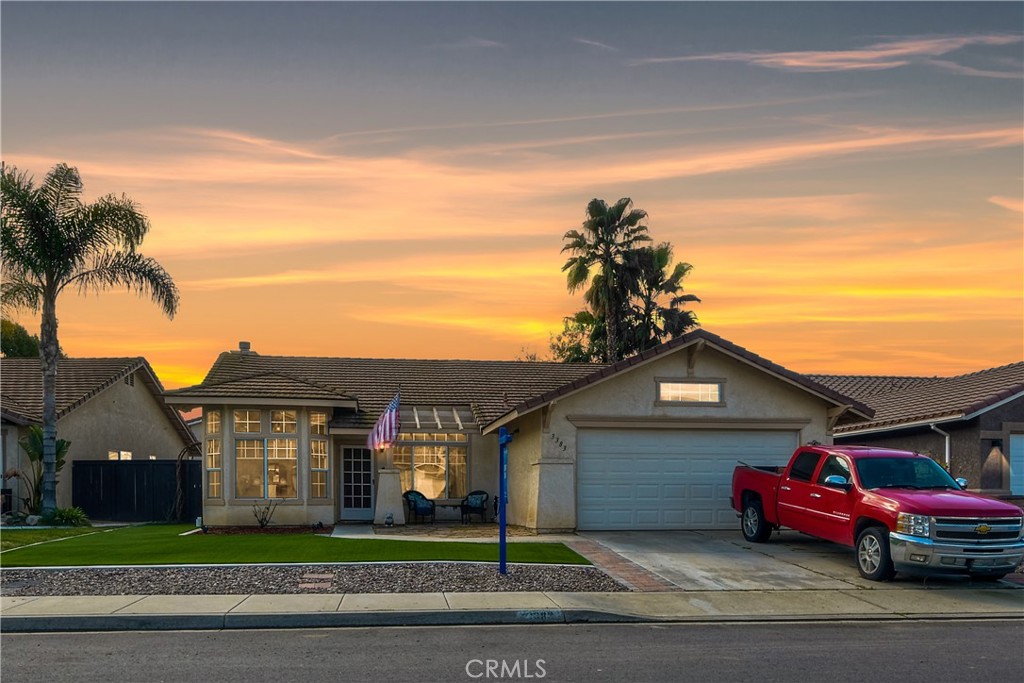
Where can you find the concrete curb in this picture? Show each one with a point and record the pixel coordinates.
(497, 617)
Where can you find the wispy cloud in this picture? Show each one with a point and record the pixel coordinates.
(875, 57)
(971, 71)
(1009, 203)
(473, 43)
(595, 43)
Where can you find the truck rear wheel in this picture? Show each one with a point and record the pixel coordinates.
(755, 526)
(873, 559)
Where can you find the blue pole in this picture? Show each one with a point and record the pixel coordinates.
(503, 440)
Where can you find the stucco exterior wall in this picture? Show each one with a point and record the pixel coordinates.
(122, 417)
(545, 454)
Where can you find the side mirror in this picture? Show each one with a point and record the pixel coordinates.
(837, 481)
(961, 482)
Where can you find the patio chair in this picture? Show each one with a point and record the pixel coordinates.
(474, 504)
(418, 505)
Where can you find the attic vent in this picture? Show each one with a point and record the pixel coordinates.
(244, 347)
(130, 380)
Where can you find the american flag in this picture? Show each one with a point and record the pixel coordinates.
(385, 431)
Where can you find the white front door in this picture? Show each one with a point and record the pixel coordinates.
(356, 484)
(667, 478)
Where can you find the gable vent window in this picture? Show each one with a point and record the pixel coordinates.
(690, 393)
(130, 380)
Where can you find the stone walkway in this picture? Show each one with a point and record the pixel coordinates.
(626, 572)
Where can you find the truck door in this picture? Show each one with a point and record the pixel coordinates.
(795, 492)
(830, 506)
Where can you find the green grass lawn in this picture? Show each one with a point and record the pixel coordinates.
(14, 538)
(161, 544)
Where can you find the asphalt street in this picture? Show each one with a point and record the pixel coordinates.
(909, 652)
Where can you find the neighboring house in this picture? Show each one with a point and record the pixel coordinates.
(974, 420)
(108, 408)
(647, 443)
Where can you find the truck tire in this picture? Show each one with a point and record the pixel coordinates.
(755, 527)
(873, 559)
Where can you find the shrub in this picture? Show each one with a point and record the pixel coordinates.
(73, 516)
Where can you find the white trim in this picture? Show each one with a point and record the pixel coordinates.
(904, 425)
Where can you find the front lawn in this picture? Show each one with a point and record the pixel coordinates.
(161, 544)
(15, 538)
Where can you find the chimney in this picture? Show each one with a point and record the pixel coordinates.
(244, 347)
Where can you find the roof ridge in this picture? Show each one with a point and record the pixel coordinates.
(987, 370)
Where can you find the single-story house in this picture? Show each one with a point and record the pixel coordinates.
(973, 421)
(649, 442)
(110, 409)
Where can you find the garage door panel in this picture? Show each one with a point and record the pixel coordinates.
(667, 479)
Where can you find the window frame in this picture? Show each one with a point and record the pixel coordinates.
(265, 472)
(717, 382)
(210, 417)
(315, 472)
(219, 470)
(248, 420)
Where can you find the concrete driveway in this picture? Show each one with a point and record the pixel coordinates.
(723, 560)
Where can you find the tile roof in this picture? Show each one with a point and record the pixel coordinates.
(78, 380)
(939, 398)
(864, 386)
(491, 388)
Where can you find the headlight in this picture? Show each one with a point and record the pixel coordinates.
(915, 525)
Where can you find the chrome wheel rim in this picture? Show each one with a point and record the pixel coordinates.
(750, 521)
(869, 554)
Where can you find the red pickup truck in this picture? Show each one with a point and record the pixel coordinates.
(901, 511)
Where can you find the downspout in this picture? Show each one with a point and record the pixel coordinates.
(946, 435)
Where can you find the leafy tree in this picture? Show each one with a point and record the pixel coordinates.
(599, 249)
(16, 342)
(51, 240)
(580, 341)
(656, 298)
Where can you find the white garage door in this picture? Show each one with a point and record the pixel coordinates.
(667, 478)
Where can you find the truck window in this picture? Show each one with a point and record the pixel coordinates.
(834, 465)
(804, 465)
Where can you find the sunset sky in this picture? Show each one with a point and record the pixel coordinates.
(394, 180)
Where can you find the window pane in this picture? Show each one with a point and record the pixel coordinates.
(429, 470)
(213, 422)
(318, 454)
(690, 392)
(249, 468)
(282, 421)
(213, 484)
(402, 460)
(318, 423)
(213, 454)
(247, 421)
(457, 472)
(318, 484)
(282, 468)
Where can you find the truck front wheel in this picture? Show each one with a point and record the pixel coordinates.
(755, 527)
(873, 559)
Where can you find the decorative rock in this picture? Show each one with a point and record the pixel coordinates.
(33, 520)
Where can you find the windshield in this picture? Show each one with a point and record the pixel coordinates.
(911, 473)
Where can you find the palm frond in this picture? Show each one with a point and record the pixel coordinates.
(62, 190)
(18, 293)
(132, 270)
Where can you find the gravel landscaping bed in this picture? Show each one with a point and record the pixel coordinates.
(285, 579)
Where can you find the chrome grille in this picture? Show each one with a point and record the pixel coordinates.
(1000, 529)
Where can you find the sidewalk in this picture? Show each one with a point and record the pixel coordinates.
(176, 612)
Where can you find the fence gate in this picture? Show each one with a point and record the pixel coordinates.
(137, 491)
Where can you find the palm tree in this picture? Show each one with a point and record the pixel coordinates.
(50, 240)
(652, 277)
(607, 235)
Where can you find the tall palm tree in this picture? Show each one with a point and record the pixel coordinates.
(51, 240)
(652, 278)
(608, 234)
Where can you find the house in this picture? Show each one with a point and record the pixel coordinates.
(646, 443)
(110, 409)
(973, 422)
